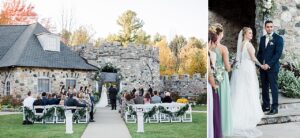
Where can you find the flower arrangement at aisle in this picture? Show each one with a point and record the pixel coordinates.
(182, 100)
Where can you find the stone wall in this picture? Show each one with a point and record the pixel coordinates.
(185, 85)
(233, 15)
(287, 24)
(24, 79)
(139, 65)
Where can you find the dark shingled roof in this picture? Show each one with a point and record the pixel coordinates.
(19, 46)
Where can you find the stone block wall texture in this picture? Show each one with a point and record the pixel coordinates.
(139, 65)
(185, 85)
(24, 79)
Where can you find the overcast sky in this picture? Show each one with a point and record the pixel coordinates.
(168, 17)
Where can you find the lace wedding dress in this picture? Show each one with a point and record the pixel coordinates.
(246, 106)
(103, 99)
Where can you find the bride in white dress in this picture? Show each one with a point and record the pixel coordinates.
(246, 106)
(103, 99)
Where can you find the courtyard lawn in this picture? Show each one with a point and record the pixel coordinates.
(196, 129)
(199, 108)
(11, 127)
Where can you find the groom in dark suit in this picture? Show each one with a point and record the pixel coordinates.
(113, 96)
(269, 53)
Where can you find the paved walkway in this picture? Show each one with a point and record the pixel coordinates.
(108, 124)
(285, 130)
(9, 113)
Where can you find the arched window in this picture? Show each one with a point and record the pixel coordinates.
(8, 88)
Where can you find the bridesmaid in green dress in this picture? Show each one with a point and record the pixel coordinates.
(222, 63)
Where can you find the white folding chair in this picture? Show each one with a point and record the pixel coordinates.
(164, 117)
(39, 114)
(128, 117)
(85, 118)
(59, 119)
(50, 119)
(187, 117)
(175, 108)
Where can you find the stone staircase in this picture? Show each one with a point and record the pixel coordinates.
(289, 111)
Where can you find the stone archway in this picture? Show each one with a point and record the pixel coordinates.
(233, 15)
(109, 74)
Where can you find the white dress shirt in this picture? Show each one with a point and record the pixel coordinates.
(28, 102)
(267, 39)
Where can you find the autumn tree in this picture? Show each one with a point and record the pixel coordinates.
(176, 44)
(17, 12)
(166, 58)
(82, 36)
(195, 42)
(48, 24)
(142, 38)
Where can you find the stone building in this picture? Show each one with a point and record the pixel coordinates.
(33, 59)
(138, 65)
(235, 14)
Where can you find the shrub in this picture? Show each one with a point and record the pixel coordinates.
(10, 101)
(202, 99)
(289, 83)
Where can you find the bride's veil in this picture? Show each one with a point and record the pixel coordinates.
(239, 47)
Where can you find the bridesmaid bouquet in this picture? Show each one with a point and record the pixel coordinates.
(219, 74)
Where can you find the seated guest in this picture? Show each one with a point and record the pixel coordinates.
(38, 102)
(72, 102)
(147, 99)
(162, 95)
(45, 99)
(28, 101)
(53, 100)
(167, 98)
(62, 99)
(155, 99)
(138, 99)
(128, 99)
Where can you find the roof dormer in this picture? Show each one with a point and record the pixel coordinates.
(49, 41)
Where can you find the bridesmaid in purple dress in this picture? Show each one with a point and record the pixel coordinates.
(217, 129)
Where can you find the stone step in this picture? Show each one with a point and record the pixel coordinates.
(288, 111)
(283, 116)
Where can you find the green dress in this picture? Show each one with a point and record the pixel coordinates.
(224, 94)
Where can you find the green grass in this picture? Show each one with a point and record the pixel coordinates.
(199, 108)
(196, 129)
(11, 127)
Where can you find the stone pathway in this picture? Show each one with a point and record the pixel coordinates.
(285, 130)
(108, 124)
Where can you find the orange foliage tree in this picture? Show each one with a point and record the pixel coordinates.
(17, 12)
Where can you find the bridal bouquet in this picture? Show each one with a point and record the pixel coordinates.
(219, 74)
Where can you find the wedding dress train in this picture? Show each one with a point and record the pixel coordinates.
(103, 99)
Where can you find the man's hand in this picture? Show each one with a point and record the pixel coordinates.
(265, 67)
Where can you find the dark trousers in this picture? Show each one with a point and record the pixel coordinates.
(269, 79)
(92, 113)
(113, 104)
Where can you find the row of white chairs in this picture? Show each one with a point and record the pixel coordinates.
(159, 117)
(56, 118)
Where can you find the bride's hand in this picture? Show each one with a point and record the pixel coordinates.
(215, 87)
